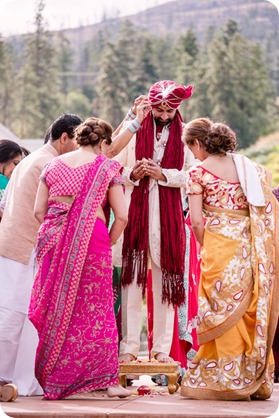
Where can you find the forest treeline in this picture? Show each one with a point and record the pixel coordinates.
(233, 81)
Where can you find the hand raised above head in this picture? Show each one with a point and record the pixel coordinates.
(142, 109)
(137, 101)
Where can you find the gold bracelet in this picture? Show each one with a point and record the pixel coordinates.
(113, 243)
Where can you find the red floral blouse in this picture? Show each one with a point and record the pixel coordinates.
(215, 191)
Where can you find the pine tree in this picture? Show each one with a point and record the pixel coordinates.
(145, 73)
(92, 56)
(189, 44)
(38, 101)
(7, 85)
(188, 69)
(110, 90)
(237, 86)
(126, 55)
(65, 63)
(165, 58)
(77, 102)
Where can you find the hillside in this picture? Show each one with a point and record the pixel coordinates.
(258, 19)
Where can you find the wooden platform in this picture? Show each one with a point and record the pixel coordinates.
(151, 368)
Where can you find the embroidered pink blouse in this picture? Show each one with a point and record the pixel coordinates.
(216, 191)
(63, 180)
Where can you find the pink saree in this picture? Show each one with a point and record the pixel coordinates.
(72, 299)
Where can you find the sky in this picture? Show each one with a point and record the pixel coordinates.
(16, 16)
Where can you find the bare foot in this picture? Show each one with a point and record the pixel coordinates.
(126, 358)
(119, 391)
(163, 358)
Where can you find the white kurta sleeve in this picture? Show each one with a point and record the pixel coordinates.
(177, 178)
(126, 176)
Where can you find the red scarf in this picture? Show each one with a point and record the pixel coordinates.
(173, 240)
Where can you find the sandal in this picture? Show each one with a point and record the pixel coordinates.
(8, 392)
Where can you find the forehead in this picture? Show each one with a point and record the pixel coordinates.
(16, 158)
(163, 106)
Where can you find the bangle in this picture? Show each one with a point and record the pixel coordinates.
(132, 177)
(134, 126)
(113, 242)
(131, 115)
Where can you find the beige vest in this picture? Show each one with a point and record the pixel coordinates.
(19, 227)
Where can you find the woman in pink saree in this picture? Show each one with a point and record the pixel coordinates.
(72, 298)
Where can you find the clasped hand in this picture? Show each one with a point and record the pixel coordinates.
(147, 168)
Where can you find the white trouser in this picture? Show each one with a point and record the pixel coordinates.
(18, 337)
(163, 317)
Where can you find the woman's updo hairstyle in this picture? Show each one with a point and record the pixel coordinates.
(215, 138)
(220, 139)
(93, 131)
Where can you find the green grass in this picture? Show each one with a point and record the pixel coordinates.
(266, 152)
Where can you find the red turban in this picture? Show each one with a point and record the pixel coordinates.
(169, 93)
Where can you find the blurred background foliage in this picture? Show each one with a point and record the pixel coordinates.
(236, 79)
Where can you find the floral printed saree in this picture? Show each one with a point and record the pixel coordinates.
(238, 303)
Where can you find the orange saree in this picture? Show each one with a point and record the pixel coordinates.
(238, 303)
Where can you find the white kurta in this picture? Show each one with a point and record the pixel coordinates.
(131, 295)
(175, 178)
(18, 233)
(18, 337)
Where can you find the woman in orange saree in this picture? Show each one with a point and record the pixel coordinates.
(72, 298)
(238, 292)
(275, 346)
